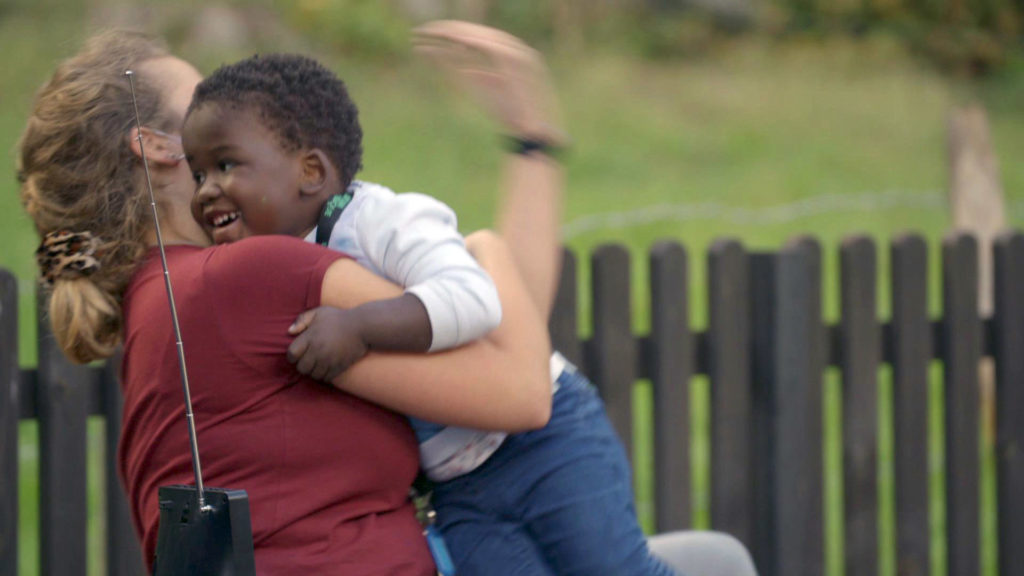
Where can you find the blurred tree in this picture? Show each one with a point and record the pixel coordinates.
(472, 10)
(964, 37)
(423, 10)
(370, 28)
(569, 22)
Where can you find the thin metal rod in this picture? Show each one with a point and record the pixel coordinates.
(170, 298)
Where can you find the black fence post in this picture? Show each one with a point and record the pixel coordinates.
(124, 555)
(671, 362)
(820, 342)
(1009, 353)
(961, 341)
(801, 351)
(62, 401)
(763, 268)
(729, 342)
(611, 359)
(9, 380)
(860, 352)
(910, 352)
(562, 325)
(788, 357)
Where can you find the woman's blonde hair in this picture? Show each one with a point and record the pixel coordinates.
(77, 174)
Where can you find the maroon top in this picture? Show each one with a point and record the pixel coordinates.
(327, 474)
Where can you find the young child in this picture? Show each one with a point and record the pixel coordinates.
(273, 143)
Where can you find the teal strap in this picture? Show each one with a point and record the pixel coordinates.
(333, 208)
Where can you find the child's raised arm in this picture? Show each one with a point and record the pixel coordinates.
(510, 80)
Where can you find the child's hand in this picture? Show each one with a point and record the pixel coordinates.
(508, 77)
(328, 341)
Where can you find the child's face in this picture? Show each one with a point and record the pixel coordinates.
(246, 182)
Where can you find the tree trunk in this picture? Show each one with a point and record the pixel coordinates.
(976, 201)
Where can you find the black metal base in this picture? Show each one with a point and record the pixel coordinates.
(214, 542)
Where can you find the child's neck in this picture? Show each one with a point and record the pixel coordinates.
(334, 200)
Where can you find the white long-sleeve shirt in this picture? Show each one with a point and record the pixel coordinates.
(413, 240)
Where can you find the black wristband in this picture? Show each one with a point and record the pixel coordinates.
(525, 146)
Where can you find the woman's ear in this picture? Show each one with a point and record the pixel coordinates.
(317, 172)
(162, 149)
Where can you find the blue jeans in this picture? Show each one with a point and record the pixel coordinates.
(558, 500)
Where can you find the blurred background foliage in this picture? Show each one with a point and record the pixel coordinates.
(969, 37)
(973, 37)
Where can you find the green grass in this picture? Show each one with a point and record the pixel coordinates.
(746, 136)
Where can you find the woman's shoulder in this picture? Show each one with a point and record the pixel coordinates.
(268, 259)
(268, 244)
(268, 251)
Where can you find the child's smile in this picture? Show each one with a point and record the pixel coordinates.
(219, 225)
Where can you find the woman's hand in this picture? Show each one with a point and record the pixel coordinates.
(508, 77)
(511, 81)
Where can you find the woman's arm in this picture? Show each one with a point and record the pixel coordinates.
(511, 81)
(500, 382)
(529, 216)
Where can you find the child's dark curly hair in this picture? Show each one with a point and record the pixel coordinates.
(298, 99)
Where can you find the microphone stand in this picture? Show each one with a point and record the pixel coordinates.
(203, 531)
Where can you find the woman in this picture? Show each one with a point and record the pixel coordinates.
(327, 474)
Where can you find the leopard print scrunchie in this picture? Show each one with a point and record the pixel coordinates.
(67, 255)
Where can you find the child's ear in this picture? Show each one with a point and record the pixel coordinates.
(315, 172)
(161, 149)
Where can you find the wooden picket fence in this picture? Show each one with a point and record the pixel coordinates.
(764, 352)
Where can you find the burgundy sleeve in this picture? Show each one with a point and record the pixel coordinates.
(275, 268)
